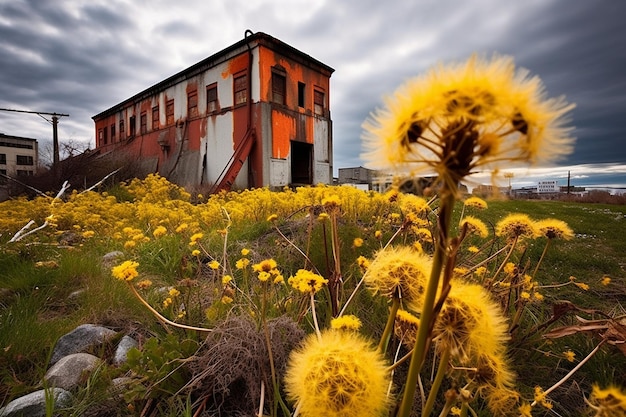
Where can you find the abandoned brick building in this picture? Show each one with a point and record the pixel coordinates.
(252, 115)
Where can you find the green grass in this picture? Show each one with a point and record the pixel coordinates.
(39, 304)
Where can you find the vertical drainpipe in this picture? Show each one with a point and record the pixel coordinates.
(249, 128)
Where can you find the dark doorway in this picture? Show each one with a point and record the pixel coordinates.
(301, 163)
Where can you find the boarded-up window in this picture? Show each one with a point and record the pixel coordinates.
(133, 125)
(192, 103)
(301, 91)
(143, 123)
(211, 98)
(112, 132)
(121, 129)
(241, 89)
(318, 102)
(155, 117)
(105, 135)
(279, 88)
(169, 112)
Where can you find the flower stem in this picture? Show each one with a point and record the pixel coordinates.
(384, 339)
(424, 333)
(545, 249)
(317, 327)
(441, 371)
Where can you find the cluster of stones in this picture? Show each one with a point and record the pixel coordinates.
(70, 365)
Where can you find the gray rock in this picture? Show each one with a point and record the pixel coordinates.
(80, 339)
(71, 370)
(111, 259)
(34, 404)
(126, 344)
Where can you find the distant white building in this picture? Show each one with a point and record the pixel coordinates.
(548, 186)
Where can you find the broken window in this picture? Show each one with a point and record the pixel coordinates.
(211, 98)
(192, 103)
(318, 102)
(143, 123)
(241, 89)
(279, 88)
(301, 90)
(155, 117)
(169, 112)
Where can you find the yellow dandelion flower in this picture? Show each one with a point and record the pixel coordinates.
(480, 271)
(264, 276)
(226, 299)
(173, 292)
(129, 244)
(331, 202)
(144, 284)
(460, 117)
(399, 272)
(538, 296)
(182, 227)
(363, 262)
(475, 202)
(378, 234)
(554, 229)
(417, 247)
(474, 226)
(167, 302)
(470, 322)
(306, 281)
(473, 249)
(226, 279)
(337, 375)
(245, 252)
(322, 217)
(357, 242)
(412, 204)
(278, 279)
(510, 268)
(405, 327)
(193, 240)
(605, 280)
(265, 265)
(272, 218)
(242, 263)
(213, 264)
(516, 225)
(569, 355)
(195, 252)
(159, 231)
(347, 322)
(582, 286)
(88, 233)
(541, 398)
(525, 295)
(608, 402)
(423, 234)
(126, 271)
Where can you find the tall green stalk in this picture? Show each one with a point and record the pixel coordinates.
(428, 316)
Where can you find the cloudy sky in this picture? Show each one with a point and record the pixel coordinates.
(82, 57)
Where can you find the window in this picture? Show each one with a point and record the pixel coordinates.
(25, 160)
(192, 103)
(24, 173)
(318, 102)
(3, 180)
(3, 158)
(101, 137)
(121, 129)
(301, 89)
(155, 117)
(143, 123)
(279, 88)
(169, 112)
(241, 89)
(105, 135)
(113, 133)
(132, 125)
(211, 98)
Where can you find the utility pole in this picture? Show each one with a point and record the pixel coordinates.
(55, 135)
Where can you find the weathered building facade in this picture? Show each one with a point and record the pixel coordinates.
(255, 114)
(18, 156)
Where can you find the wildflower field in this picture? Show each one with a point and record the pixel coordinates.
(331, 301)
